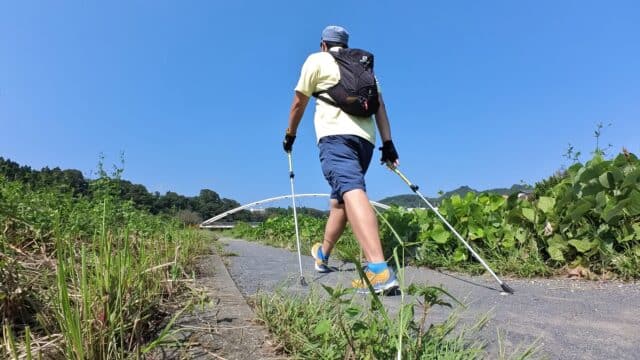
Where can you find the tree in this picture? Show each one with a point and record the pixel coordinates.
(208, 203)
(136, 193)
(171, 202)
(189, 217)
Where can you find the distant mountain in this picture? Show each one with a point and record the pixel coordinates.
(462, 191)
(515, 188)
(406, 201)
(413, 201)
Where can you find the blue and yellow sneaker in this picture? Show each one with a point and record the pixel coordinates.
(382, 282)
(322, 262)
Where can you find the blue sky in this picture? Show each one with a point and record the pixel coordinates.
(197, 93)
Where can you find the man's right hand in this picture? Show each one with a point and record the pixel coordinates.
(287, 144)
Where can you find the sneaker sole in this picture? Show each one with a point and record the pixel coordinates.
(322, 269)
(387, 287)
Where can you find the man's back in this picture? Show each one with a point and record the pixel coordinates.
(320, 72)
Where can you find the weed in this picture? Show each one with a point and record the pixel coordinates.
(87, 278)
(342, 327)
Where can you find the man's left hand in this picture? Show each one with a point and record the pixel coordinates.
(287, 144)
(389, 153)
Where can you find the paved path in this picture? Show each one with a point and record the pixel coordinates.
(571, 319)
(222, 328)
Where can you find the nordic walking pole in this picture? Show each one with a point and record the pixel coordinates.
(414, 188)
(295, 219)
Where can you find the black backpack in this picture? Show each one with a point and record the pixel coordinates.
(357, 92)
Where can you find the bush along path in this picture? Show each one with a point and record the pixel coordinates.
(561, 318)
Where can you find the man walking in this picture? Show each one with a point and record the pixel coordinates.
(346, 143)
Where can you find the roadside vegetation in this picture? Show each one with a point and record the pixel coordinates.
(586, 217)
(342, 327)
(89, 275)
(190, 210)
(88, 271)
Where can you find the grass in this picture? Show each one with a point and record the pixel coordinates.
(343, 326)
(335, 323)
(88, 278)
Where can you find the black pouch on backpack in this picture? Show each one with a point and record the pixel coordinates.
(357, 92)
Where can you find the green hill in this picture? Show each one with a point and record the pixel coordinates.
(413, 201)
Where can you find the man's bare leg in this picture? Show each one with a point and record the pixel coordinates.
(364, 224)
(335, 226)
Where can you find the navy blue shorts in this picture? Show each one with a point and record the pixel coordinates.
(344, 160)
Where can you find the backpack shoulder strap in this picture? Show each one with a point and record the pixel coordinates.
(324, 98)
(336, 56)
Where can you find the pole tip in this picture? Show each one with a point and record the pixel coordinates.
(303, 282)
(507, 288)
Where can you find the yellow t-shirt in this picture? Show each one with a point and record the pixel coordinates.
(320, 72)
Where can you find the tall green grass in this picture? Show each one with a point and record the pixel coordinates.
(88, 278)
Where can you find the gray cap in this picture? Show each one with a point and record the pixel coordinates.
(335, 33)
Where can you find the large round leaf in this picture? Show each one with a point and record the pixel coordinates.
(556, 253)
(582, 245)
(607, 180)
(631, 180)
(633, 204)
(475, 232)
(546, 204)
(590, 171)
(591, 188)
(460, 254)
(612, 212)
(521, 235)
(508, 241)
(496, 203)
(601, 200)
(582, 207)
(440, 235)
(529, 214)
(556, 247)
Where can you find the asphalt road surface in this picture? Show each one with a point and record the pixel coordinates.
(567, 318)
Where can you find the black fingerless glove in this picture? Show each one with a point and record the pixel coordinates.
(287, 144)
(389, 153)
